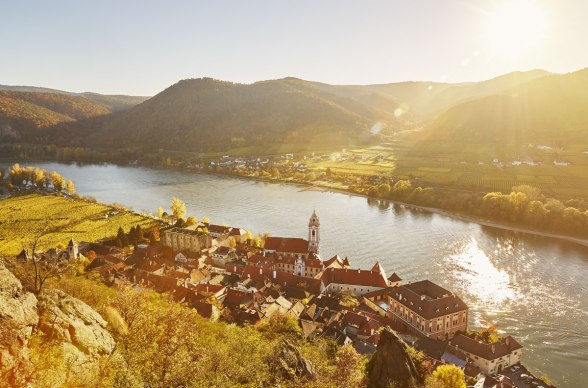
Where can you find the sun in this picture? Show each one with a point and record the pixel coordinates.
(516, 28)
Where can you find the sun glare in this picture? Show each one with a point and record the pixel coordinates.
(516, 27)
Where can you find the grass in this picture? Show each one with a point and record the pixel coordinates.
(80, 220)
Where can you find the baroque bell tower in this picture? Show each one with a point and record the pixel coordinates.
(314, 233)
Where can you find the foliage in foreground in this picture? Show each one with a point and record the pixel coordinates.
(161, 344)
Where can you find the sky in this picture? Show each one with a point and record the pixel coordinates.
(142, 47)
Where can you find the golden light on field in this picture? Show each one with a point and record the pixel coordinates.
(516, 28)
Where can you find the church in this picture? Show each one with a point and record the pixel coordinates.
(297, 255)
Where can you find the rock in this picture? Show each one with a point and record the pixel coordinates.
(391, 364)
(289, 363)
(18, 317)
(69, 319)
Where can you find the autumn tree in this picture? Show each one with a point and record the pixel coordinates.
(178, 208)
(159, 212)
(447, 376)
(70, 188)
(57, 181)
(39, 177)
(191, 221)
(348, 366)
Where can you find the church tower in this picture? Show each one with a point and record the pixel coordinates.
(314, 233)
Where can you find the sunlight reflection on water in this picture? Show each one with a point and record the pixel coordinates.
(479, 276)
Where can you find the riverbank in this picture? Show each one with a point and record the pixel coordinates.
(328, 188)
(454, 215)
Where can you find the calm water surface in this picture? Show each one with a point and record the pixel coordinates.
(534, 287)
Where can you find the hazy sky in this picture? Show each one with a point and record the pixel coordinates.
(142, 47)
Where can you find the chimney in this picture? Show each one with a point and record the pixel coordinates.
(493, 348)
(507, 341)
(274, 274)
(261, 271)
(423, 297)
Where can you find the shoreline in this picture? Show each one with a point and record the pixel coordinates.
(322, 188)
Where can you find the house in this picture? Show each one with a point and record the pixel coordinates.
(240, 235)
(428, 309)
(223, 255)
(286, 246)
(356, 281)
(186, 239)
(489, 357)
(217, 231)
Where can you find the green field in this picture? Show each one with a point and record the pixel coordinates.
(472, 168)
(80, 220)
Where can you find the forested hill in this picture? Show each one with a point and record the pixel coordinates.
(113, 102)
(22, 113)
(206, 114)
(551, 109)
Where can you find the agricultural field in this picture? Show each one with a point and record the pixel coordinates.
(77, 219)
(479, 168)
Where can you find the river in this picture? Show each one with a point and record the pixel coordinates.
(534, 287)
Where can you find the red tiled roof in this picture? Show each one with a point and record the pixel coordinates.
(394, 278)
(237, 232)
(207, 288)
(487, 351)
(427, 299)
(313, 263)
(234, 298)
(357, 277)
(218, 229)
(286, 244)
(285, 260)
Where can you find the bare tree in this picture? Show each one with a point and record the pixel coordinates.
(40, 267)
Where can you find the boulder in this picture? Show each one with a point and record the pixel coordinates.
(69, 319)
(18, 317)
(289, 363)
(392, 364)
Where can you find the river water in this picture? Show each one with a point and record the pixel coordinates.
(535, 288)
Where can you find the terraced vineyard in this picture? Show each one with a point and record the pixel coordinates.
(80, 220)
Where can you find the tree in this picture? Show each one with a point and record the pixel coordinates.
(178, 208)
(348, 366)
(57, 181)
(205, 220)
(159, 212)
(489, 334)
(70, 188)
(448, 376)
(348, 299)
(41, 267)
(39, 177)
(191, 221)
(121, 238)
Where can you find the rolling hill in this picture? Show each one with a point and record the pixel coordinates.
(211, 115)
(24, 113)
(113, 102)
(27, 111)
(552, 109)
(206, 114)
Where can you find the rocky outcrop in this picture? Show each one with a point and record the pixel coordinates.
(392, 364)
(18, 317)
(71, 320)
(289, 363)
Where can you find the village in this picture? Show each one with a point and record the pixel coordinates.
(220, 272)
